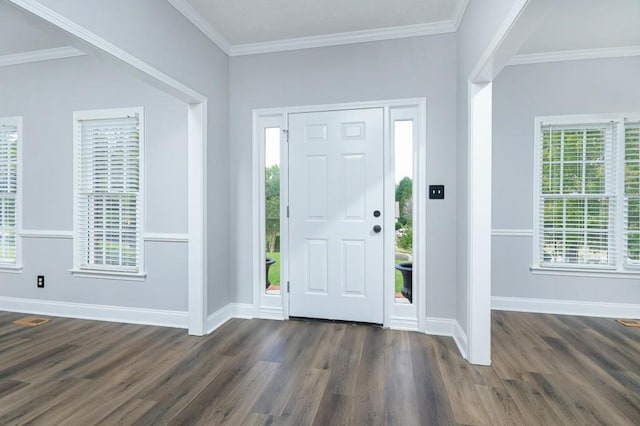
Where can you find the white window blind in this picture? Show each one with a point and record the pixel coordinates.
(8, 190)
(577, 195)
(108, 198)
(632, 193)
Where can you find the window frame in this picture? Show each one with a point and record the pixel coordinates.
(620, 268)
(16, 266)
(98, 272)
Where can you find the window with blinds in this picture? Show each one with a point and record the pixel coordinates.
(632, 192)
(108, 190)
(588, 192)
(9, 139)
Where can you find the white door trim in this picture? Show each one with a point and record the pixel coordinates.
(277, 307)
(197, 153)
(508, 39)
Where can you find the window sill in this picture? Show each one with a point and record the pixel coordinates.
(109, 275)
(577, 272)
(10, 269)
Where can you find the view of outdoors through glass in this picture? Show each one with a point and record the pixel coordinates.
(403, 150)
(272, 209)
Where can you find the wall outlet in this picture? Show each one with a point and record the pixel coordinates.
(40, 281)
(436, 192)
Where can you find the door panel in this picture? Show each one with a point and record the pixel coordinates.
(335, 184)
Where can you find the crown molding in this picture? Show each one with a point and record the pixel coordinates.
(202, 24)
(575, 55)
(40, 55)
(432, 28)
(350, 37)
(458, 13)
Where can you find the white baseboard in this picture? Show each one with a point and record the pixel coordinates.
(224, 314)
(273, 313)
(161, 318)
(403, 323)
(448, 327)
(566, 307)
(460, 337)
(243, 310)
(440, 326)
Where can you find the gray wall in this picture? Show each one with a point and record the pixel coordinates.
(520, 94)
(45, 94)
(413, 67)
(156, 33)
(478, 27)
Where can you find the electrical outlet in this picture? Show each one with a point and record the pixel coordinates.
(436, 192)
(40, 281)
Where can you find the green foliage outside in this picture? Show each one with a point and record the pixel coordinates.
(404, 223)
(274, 271)
(272, 207)
(576, 227)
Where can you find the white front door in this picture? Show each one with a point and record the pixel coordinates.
(336, 200)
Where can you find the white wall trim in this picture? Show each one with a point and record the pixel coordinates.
(40, 55)
(487, 68)
(202, 24)
(574, 55)
(224, 314)
(477, 342)
(32, 233)
(337, 39)
(566, 307)
(271, 312)
(147, 236)
(458, 13)
(440, 326)
(165, 238)
(128, 315)
(628, 274)
(460, 337)
(218, 318)
(349, 37)
(512, 232)
(10, 269)
(403, 323)
(243, 310)
(479, 223)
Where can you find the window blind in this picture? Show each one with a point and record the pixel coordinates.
(632, 193)
(577, 195)
(8, 191)
(108, 194)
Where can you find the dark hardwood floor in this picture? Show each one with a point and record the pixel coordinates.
(547, 370)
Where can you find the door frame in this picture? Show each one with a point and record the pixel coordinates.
(396, 316)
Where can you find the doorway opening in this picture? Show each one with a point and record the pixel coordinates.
(403, 134)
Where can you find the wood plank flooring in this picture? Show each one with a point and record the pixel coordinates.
(547, 370)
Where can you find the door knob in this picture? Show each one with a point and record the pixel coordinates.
(376, 213)
(377, 228)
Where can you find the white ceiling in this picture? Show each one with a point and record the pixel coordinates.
(252, 26)
(21, 32)
(256, 21)
(586, 24)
